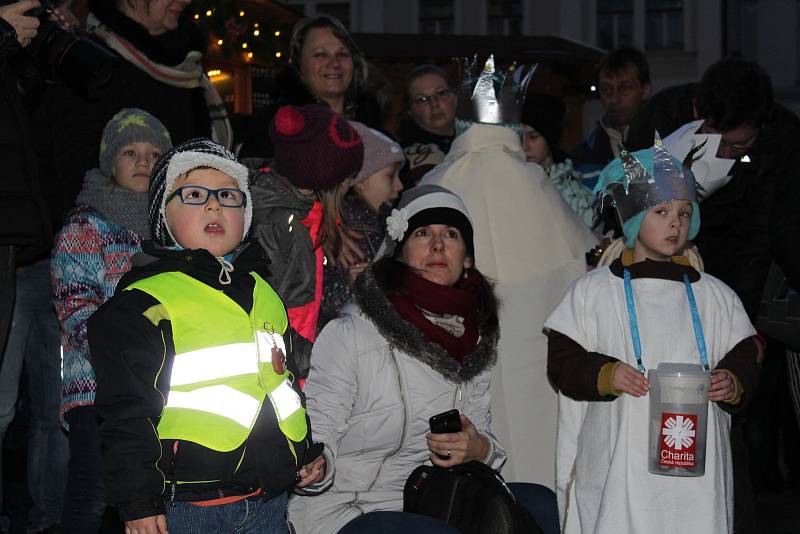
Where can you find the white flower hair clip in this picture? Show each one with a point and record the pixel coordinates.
(397, 223)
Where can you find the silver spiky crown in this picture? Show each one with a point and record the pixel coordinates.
(638, 190)
(489, 96)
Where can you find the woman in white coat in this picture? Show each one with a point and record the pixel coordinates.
(420, 338)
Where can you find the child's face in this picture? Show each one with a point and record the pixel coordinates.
(534, 145)
(133, 164)
(381, 187)
(664, 231)
(210, 226)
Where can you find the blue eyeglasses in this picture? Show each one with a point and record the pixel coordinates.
(197, 195)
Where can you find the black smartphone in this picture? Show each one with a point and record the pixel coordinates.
(446, 422)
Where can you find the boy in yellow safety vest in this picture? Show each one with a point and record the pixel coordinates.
(203, 424)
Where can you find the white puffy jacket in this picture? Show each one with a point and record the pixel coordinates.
(374, 382)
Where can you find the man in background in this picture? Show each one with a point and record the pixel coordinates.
(623, 81)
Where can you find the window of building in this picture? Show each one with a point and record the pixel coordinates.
(505, 17)
(436, 16)
(614, 23)
(664, 25)
(340, 10)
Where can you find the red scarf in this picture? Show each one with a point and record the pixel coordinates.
(460, 299)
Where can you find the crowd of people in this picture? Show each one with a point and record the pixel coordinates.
(250, 331)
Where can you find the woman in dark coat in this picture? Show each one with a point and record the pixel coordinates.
(159, 71)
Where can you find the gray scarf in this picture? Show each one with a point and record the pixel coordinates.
(115, 203)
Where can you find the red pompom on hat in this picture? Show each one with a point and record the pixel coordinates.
(315, 147)
(288, 121)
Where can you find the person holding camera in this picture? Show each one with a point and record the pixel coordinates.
(158, 52)
(420, 338)
(25, 299)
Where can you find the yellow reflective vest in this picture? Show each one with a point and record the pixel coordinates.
(222, 370)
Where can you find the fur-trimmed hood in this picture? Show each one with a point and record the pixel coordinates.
(401, 334)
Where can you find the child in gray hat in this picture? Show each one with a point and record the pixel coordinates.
(92, 251)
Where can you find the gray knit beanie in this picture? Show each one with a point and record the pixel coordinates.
(185, 157)
(379, 151)
(130, 125)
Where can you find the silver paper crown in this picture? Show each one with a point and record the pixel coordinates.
(639, 191)
(491, 97)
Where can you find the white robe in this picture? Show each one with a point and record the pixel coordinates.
(532, 244)
(602, 481)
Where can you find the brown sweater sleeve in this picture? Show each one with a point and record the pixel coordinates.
(741, 363)
(573, 370)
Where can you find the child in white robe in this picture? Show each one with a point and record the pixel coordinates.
(602, 479)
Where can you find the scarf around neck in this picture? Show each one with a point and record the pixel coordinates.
(117, 204)
(188, 74)
(460, 300)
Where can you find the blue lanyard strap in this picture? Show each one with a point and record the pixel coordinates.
(637, 343)
(698, 326)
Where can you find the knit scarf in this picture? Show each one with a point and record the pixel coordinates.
(460, 300)
(188, 75)
(117, 204)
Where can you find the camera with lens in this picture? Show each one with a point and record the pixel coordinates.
(81, 63)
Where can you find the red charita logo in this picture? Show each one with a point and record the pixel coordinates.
(677, 447)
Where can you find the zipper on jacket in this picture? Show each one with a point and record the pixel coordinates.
(173, 487)
(458, 400)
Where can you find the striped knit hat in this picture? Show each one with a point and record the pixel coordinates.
(183, 158)
(130, 125)
(429, 204)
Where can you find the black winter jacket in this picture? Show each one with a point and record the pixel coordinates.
(23, 218)
(78, 123)
(132, 358)
(278, 209)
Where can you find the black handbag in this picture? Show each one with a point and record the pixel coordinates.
(471, 497)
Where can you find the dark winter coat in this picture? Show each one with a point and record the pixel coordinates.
(24, 220)
(278, 209)
(133, 357)
(78, 123)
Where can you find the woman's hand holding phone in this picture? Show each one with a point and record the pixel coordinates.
(456, 448)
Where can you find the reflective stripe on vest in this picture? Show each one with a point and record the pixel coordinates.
(222, 370)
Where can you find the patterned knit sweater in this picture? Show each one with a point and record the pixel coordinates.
(91, 254)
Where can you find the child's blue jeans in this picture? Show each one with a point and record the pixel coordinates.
(248, 516)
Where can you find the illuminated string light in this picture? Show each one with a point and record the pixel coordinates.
(219, 42)
(208, 13)
(249, 55)
(277, 33)
(196, 16)
(214, 72)
(241, 13)
(244, 45)
(278, 54)
(256, 33)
